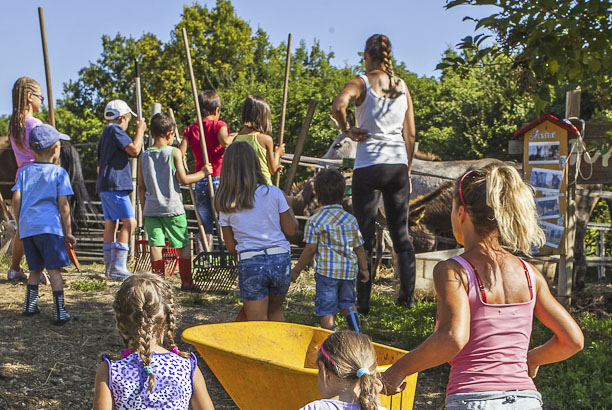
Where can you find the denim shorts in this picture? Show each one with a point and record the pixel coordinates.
(501, 400)
(45, 251)
(116, 205)
(332, 294)
(202, 198)
(264, 275)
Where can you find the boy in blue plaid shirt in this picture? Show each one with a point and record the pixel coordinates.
(332, 236)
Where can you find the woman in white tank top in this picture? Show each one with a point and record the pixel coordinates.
(386, 136)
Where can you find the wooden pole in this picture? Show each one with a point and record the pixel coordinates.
(134, 166)
(196, 103)
(43, 37)
(192, 195)
(566, 261)
(284, 105)
(300, 145)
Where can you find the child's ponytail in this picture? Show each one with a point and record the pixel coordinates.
(367, 396)
(17, 125)
(514, 209)
(496, 198)
(145, 335)
(351, 357)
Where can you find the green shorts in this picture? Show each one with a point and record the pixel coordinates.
(172, 228)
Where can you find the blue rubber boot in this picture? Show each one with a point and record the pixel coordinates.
(107, 248)
(119, 256)
(352, 319)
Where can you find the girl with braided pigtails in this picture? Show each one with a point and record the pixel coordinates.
(347, 374)
(386, 134)
(27, 100)
(147, 374)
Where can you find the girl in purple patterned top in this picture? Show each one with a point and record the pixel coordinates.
(147, 375)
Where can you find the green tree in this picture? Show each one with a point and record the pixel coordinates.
(549, 42)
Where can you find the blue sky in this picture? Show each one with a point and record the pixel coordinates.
(420, 30)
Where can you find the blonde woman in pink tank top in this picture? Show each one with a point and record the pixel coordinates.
(487, 298)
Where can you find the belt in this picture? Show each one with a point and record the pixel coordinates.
(277, 250)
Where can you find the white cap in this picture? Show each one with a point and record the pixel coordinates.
(115, 109)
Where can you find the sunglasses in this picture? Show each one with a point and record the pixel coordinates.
(42, 99)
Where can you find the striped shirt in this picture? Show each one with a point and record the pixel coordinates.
(336, 234)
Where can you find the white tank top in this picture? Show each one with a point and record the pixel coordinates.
(384, 119)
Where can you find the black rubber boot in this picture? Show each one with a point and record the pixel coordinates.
(30, 306)
(406, 263)
(61, 316)
(365, 289)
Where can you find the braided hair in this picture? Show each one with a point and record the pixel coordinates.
(378, 48)
(351, 357)
(17, 126)
(145, 313)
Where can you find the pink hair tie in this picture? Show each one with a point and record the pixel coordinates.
(461, 183)
(126, 353)
(175, 349)
(326, 355)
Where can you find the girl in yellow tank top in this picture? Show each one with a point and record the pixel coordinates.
(256, 130)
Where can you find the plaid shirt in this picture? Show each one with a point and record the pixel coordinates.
(336, 234)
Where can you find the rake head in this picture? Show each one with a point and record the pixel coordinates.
(214, 272)
(142, 258)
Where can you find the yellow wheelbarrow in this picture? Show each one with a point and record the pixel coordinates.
(272, 365)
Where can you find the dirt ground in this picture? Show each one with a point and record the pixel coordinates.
(43, 366)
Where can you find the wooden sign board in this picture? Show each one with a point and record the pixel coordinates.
(595, 165)
(545, 154)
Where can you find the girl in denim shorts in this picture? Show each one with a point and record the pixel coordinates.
(255, 218)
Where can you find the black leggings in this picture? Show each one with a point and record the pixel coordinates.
(393, 183)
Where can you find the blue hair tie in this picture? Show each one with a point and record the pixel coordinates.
(148, 370)
(362, 371)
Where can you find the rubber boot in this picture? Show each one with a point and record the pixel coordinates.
(365, 289)
(119, 256)
(30, 306)
(61, 316)
(107, 249)
(352, 319)
(158, 267)
(406, 263)
(185, 273)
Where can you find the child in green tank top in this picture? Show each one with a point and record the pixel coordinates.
(256, 130)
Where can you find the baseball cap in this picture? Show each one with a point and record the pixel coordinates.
(115, 109)
(43, 136)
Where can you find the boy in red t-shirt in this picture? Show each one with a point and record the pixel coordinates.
(217, 137)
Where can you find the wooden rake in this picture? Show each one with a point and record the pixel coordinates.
(214, 270)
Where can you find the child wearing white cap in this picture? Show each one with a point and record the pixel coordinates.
(114, 184)
(41, 207)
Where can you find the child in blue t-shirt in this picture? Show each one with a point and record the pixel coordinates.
(114, 184)
(41, 207)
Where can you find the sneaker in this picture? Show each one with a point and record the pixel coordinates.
(15, 275)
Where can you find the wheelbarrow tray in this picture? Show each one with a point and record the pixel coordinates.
(272, 365)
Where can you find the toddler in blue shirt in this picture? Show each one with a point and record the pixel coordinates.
(41, 207)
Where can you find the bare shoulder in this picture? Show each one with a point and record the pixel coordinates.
(449, 269)
(265, 140)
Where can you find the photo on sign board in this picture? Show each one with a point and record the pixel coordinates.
(544, 152)
(548, 207)
(547, 181)
(554, 234)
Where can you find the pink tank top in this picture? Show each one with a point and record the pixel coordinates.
(495, 357)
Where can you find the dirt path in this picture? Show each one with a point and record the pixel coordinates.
(43, 366)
